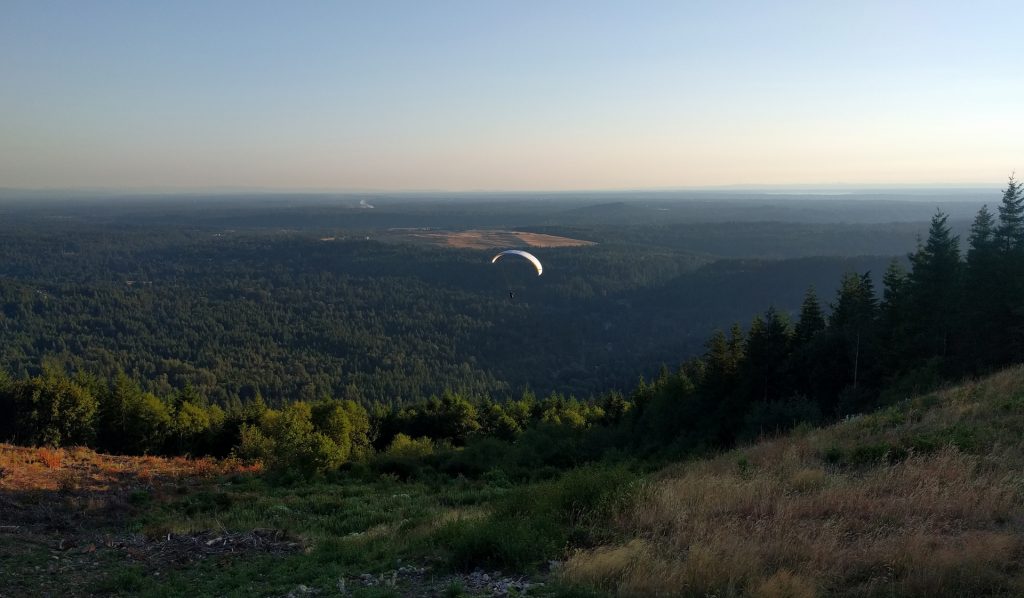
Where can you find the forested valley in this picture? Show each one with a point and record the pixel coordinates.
(304, 349)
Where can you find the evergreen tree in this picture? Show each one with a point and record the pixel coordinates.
(1008, 316)
(812, 320)
(934, 292)
(768, 346)
(130, 421)
(982, 237)
(719, 367)
(894, 286)
(807, 338)
(893, 310)
(852, 323)
(982, 291)
(737, 344)
(1009, 235)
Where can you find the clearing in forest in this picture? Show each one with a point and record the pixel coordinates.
(491, 239)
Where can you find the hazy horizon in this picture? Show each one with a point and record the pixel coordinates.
(468, 97)
(751, 189)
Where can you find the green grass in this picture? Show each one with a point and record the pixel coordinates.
(129, 580)
(533, 523)
(349, 527)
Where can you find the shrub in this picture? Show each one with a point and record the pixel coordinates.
(519, 542)
(871, 454)
(253, 444)
(833, 455)
(51, 458)
(409, 448)
(189, 424)
(298, 448)
(330, 419)
(479, 456)
(531, 524)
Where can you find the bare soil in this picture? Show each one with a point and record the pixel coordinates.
(492, 239)
(63, 516)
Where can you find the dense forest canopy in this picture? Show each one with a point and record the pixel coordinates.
(374, 314)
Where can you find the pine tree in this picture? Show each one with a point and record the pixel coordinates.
(934, 292)
(768, 347)
(719, 365)
(982, 291)
(982, 237)
(812, 321)
(808, 336)
(856, 304)
(1008, 317)
(892, 324)
(853, 321)
(1009, 235)
(737, 344)
(894, 285)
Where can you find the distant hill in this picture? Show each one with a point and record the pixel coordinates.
(921, 498)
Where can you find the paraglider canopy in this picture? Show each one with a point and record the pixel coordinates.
(529, 256)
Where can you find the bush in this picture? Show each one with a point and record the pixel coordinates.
(480, 455)
(534, 523)
(871, 454)
(189, 424)
(518, 542)
(253, 444)
(404, 447)
(290, 444)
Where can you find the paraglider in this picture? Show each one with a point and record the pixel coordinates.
(517, 252)
(529, 256)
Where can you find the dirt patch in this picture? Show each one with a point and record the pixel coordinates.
(184, 549)
(63, 515)
(421, 582)
(492, 239)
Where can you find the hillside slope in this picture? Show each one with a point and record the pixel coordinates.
(924, 497)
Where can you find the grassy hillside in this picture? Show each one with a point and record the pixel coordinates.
(923, 498)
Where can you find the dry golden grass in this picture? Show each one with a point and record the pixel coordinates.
(29, 469)
(491, 239)
(51, 458)
(779, 519)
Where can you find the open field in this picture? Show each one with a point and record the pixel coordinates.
(923, 498)
(488, 239)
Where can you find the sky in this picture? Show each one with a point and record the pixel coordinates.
(488, 95)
